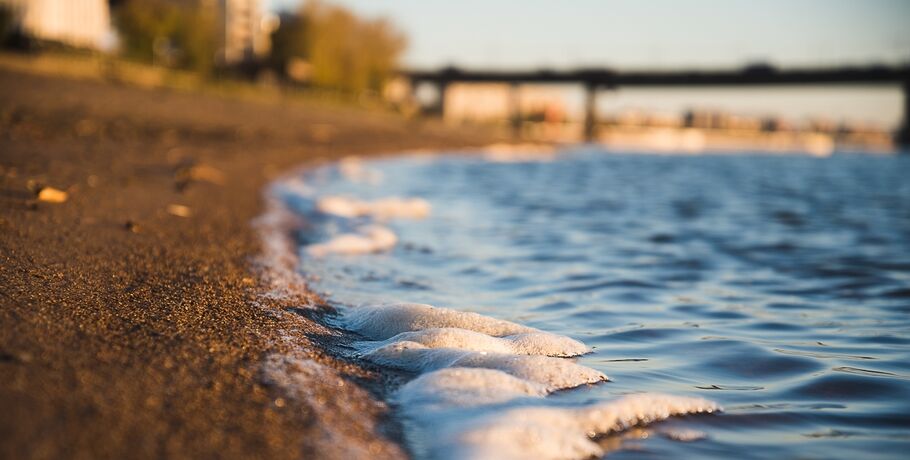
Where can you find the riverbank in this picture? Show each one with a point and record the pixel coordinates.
(133, 322)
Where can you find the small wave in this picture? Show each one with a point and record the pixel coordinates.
(554, 373)
(364, 240)
(353, 169)
(482, 381)
(523, 428)
(348, 225)
(368, 238)
(528, 343)
(380, 322)
(465, 388)
(382, 209)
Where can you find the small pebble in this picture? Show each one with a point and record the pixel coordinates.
(207, 173)
(52, 195)
(179, 210)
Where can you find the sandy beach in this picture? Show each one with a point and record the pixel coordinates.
(133, 321)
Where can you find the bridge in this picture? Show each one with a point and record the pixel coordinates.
(594, 80)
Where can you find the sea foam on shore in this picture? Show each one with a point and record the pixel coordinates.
(480, 383)
(386, 208)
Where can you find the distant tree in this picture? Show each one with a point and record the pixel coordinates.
(197, 40)
(384, 47)
(288, 41)
(11, 35)
(345, 52)
(7, 23)
(177, 34)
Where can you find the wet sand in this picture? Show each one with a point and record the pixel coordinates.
(132, 328)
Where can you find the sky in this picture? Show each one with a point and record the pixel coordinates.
(661, 34)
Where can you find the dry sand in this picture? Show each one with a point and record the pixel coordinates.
(132, 322)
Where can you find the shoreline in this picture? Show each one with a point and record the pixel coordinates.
(466, 374)
(138, 317)
(133, 321)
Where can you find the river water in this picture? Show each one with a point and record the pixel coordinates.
(776, 285)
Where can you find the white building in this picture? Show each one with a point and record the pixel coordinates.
(484, 102)
(246, 30)
(79, 23)
(477, 102)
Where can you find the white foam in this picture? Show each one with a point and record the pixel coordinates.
(291, 186)
(278, 261)
(340, 206)
(401, 208)
(352, 169)
(554, 373)
(366, 239)
(482, 381)
(382, 209)
(380, 322)
(464, 388)
(528, 343)
(338, 423)
(528, 430)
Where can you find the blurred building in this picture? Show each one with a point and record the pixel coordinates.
(77, 23)
(701, 130)
(476, 102)
(245, 30)
(491, 102)
(542, 103)
(243, 27)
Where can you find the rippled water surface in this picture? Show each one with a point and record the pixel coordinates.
(778, 286)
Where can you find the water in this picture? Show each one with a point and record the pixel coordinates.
(778, 286)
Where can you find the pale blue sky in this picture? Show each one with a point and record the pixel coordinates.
(630, 33)
(657, 34)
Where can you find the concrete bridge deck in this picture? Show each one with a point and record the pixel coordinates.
(594, 80)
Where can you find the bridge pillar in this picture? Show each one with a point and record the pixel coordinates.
(440, 108)
(590, 128)
(903, 133)
(515, 109)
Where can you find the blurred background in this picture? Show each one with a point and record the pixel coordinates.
(808, 76)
